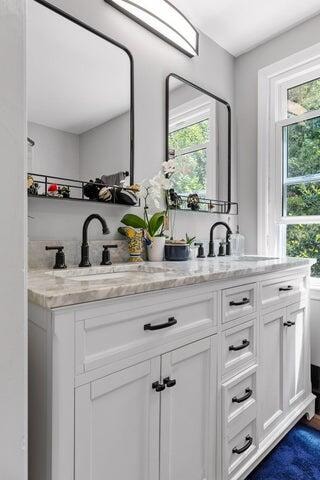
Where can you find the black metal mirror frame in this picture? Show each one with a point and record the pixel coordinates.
(202, 90)
(117, 44)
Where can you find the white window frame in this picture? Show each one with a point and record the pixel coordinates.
(273, 82)
(195, 111)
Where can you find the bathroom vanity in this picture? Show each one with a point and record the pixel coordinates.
(188, 371)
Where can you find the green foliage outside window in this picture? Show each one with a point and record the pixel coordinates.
(192, 167)
(303, 144)
(306, 96)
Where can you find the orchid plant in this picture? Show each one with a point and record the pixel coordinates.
(152, 195)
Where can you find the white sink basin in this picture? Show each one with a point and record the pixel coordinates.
(111, 273)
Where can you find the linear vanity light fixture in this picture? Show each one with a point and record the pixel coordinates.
(162, 19)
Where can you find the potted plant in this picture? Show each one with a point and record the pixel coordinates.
(178, 250)
(151, 193)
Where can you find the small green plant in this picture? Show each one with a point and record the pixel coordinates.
(153, 226)
(189, 240)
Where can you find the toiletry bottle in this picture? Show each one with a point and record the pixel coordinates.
(237, 244)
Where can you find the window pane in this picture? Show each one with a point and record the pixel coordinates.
(302, 199)
(304, 241)
(192, 176)
(195, 134)
(302, 148)
(303, 98)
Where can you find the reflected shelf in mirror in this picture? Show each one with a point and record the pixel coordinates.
(197, 204)
(60, 188)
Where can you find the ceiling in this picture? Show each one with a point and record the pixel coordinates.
(240, 25)
(75, 79)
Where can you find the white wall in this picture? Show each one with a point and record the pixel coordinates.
(246, 83)
(105, 149)
(153, 61)
(55, 152)
(13, 401)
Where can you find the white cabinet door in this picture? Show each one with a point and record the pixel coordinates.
(295, 373)
(188, 412)
(271, 401)
(117, 426)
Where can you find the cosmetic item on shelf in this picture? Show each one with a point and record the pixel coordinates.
(114, 179)
(105, 194)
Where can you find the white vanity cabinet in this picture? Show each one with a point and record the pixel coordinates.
(284, 362)
(191, 383)
(122, 423)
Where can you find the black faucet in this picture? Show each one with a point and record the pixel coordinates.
(211, 244)
(85, 246)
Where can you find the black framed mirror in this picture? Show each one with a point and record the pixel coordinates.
(198, 138)
(80, 92)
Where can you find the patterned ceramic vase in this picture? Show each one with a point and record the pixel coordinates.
(135, 248)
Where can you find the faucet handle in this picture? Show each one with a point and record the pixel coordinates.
(60, 257)
(106, 260)
(200, 250)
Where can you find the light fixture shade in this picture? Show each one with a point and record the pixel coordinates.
(163, 19)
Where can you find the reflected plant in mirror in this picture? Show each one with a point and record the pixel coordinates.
(80, 110)
(198, 140)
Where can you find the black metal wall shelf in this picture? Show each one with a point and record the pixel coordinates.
(76, 190)
(205, 205)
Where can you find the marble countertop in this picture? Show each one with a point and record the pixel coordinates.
(59, 288)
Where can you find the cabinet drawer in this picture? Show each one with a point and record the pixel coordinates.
(239, 394)
(239, 448)
(239, 346)
(130, 326)
(284, 291)
(238, 302)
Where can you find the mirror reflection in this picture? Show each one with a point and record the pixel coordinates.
(198, 141)
(79, 106)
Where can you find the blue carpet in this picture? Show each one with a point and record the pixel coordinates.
(297, 457)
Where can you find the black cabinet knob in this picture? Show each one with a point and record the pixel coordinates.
(170, 323)
(245, 344)
(169, 382)
(249, 442)
(158, 387)
(248, 394)
(244, 301)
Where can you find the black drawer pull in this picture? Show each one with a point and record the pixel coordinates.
(245, 344)
(286, 289)
(171, 321)
(244, 301)
(245, 397)
(249, 441)
(169, 382)
(158, 387)
(289, 324)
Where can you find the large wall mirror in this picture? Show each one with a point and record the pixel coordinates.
(80, 105)
(198, 138)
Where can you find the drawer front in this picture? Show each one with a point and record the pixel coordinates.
(239, 448)
(239, 346)
(238, 302)
(239, 395)
(117, 333)
(284, 291)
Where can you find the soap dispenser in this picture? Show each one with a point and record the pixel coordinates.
(237, 244)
